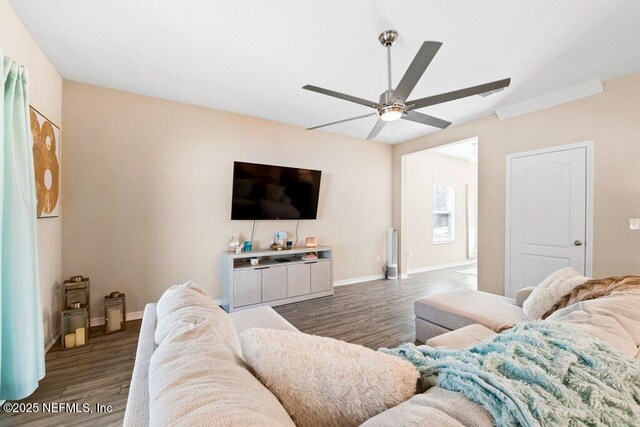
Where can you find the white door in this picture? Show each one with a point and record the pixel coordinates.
(547, 215)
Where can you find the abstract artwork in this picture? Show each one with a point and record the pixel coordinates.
(46, 155)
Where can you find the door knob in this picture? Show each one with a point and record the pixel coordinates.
(578, 242)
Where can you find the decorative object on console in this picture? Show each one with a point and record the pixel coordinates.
(289, 245)
(247, 246)
(281, 237)
(255, 261)
(311, 256)
(46, 155)
(234, 243)
(311, 242)
(115, 312)
(274, 245)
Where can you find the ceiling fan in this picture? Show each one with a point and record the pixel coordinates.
(393, 104)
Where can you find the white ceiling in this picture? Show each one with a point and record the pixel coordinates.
(253, 56)
(459, 150)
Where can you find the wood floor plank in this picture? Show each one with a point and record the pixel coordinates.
(373, 314)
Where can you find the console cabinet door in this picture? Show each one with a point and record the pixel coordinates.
(298, 280)
(274, 283)
(320, 276)
(247, 288)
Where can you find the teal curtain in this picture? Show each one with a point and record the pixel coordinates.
(21, 339)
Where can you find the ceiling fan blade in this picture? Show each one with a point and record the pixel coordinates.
(425, 119)
(418, 66)
(376, 129)
(457, 94)
(344, 120)
(342, 96)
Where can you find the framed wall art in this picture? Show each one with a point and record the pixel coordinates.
(46, 160)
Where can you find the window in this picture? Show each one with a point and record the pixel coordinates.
(443, 213)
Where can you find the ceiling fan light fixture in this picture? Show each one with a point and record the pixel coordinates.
(391, 112)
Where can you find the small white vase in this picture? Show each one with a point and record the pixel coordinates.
(233, 243)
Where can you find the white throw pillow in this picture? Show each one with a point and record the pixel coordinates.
(186, 294)
(550, 290)
(325, 382)
(189, 303)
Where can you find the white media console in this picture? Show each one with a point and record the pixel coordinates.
(272, 282)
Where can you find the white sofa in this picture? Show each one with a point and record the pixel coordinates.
(614, 319)
(137, 412)
(437, 405)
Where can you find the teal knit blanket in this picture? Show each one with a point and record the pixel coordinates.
(536, 374)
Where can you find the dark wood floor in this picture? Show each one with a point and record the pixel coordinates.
(374, 314)
(96, 373)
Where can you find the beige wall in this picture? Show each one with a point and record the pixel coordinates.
(423, 169)
(611, 120)
(45, 94)
(148, 192)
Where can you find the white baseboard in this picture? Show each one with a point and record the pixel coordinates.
(404, 276)
(441, 266)
(358, 280)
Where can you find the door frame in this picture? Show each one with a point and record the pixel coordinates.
(588, 145)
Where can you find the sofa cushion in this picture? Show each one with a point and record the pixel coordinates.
(426, 330)
(463, 307)
(188, 302)
(550, 290)
(602, 327)
(326, 382)
(188, 294)
(621, 307)
(462, 338)
(522, 295)
(197, 378)
(435, 407)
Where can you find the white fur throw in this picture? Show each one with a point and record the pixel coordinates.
(325, 382)
(550, 290)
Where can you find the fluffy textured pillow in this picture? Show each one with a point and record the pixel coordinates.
(325, 382)
(550, 290)
(197, 379)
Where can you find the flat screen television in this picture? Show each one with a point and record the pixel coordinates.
(274, 192)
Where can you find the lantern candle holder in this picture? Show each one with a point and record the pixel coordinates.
(115, 313)
(76, 313)
(75, 328)
(76, 292)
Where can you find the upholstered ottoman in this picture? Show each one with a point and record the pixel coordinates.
(441, 313)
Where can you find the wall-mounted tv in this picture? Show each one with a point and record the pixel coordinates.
(274, 192)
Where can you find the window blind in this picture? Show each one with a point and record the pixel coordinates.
(443, 213)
